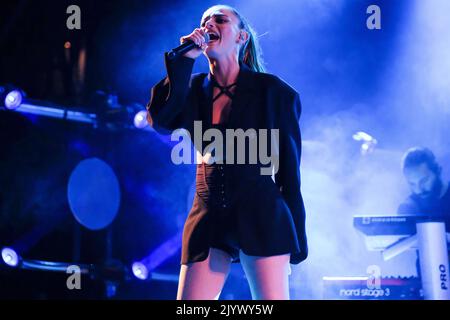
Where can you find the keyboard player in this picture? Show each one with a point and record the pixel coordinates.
(430, 194)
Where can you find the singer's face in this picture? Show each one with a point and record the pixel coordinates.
(223, 27)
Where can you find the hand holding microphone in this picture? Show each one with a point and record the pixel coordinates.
(192, 45)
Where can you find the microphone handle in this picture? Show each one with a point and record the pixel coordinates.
(182, 49)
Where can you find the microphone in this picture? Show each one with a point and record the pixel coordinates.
(185, 47)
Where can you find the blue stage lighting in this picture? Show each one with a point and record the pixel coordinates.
(13, 99)
(140, 119)
(10, 257)
(140, 271)
(94, 188)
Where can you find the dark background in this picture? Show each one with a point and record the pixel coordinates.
(392, 83)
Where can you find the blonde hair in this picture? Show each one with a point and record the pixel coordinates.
(250, 53)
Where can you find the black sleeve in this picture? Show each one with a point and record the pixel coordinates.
(169, 97)
(289, 170)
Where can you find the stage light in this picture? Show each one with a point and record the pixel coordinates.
(93, 179)
(11, 96)
(10, 257)
(368, 143)
(140, 271)
(140, 119)
(362, 136)
(13, 99)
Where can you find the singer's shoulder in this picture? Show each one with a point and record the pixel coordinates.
(277, 83)
(198, 77)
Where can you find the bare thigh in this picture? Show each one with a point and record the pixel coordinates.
(204, 280)
(268, 277)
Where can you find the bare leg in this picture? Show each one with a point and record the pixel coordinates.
(268, 277)
(204, 280)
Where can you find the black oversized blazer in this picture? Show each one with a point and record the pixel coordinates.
(261, 101)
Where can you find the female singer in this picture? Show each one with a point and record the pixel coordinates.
(238, 214)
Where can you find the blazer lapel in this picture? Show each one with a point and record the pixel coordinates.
(244, 98)
(207, 90)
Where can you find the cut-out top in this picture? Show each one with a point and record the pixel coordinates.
(222, 113)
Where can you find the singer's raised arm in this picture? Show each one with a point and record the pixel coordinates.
(168, 108)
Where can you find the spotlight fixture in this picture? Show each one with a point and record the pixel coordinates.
(11, 97)
(140, 271)
(10, 257)
(140, 119)
(368, 143)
